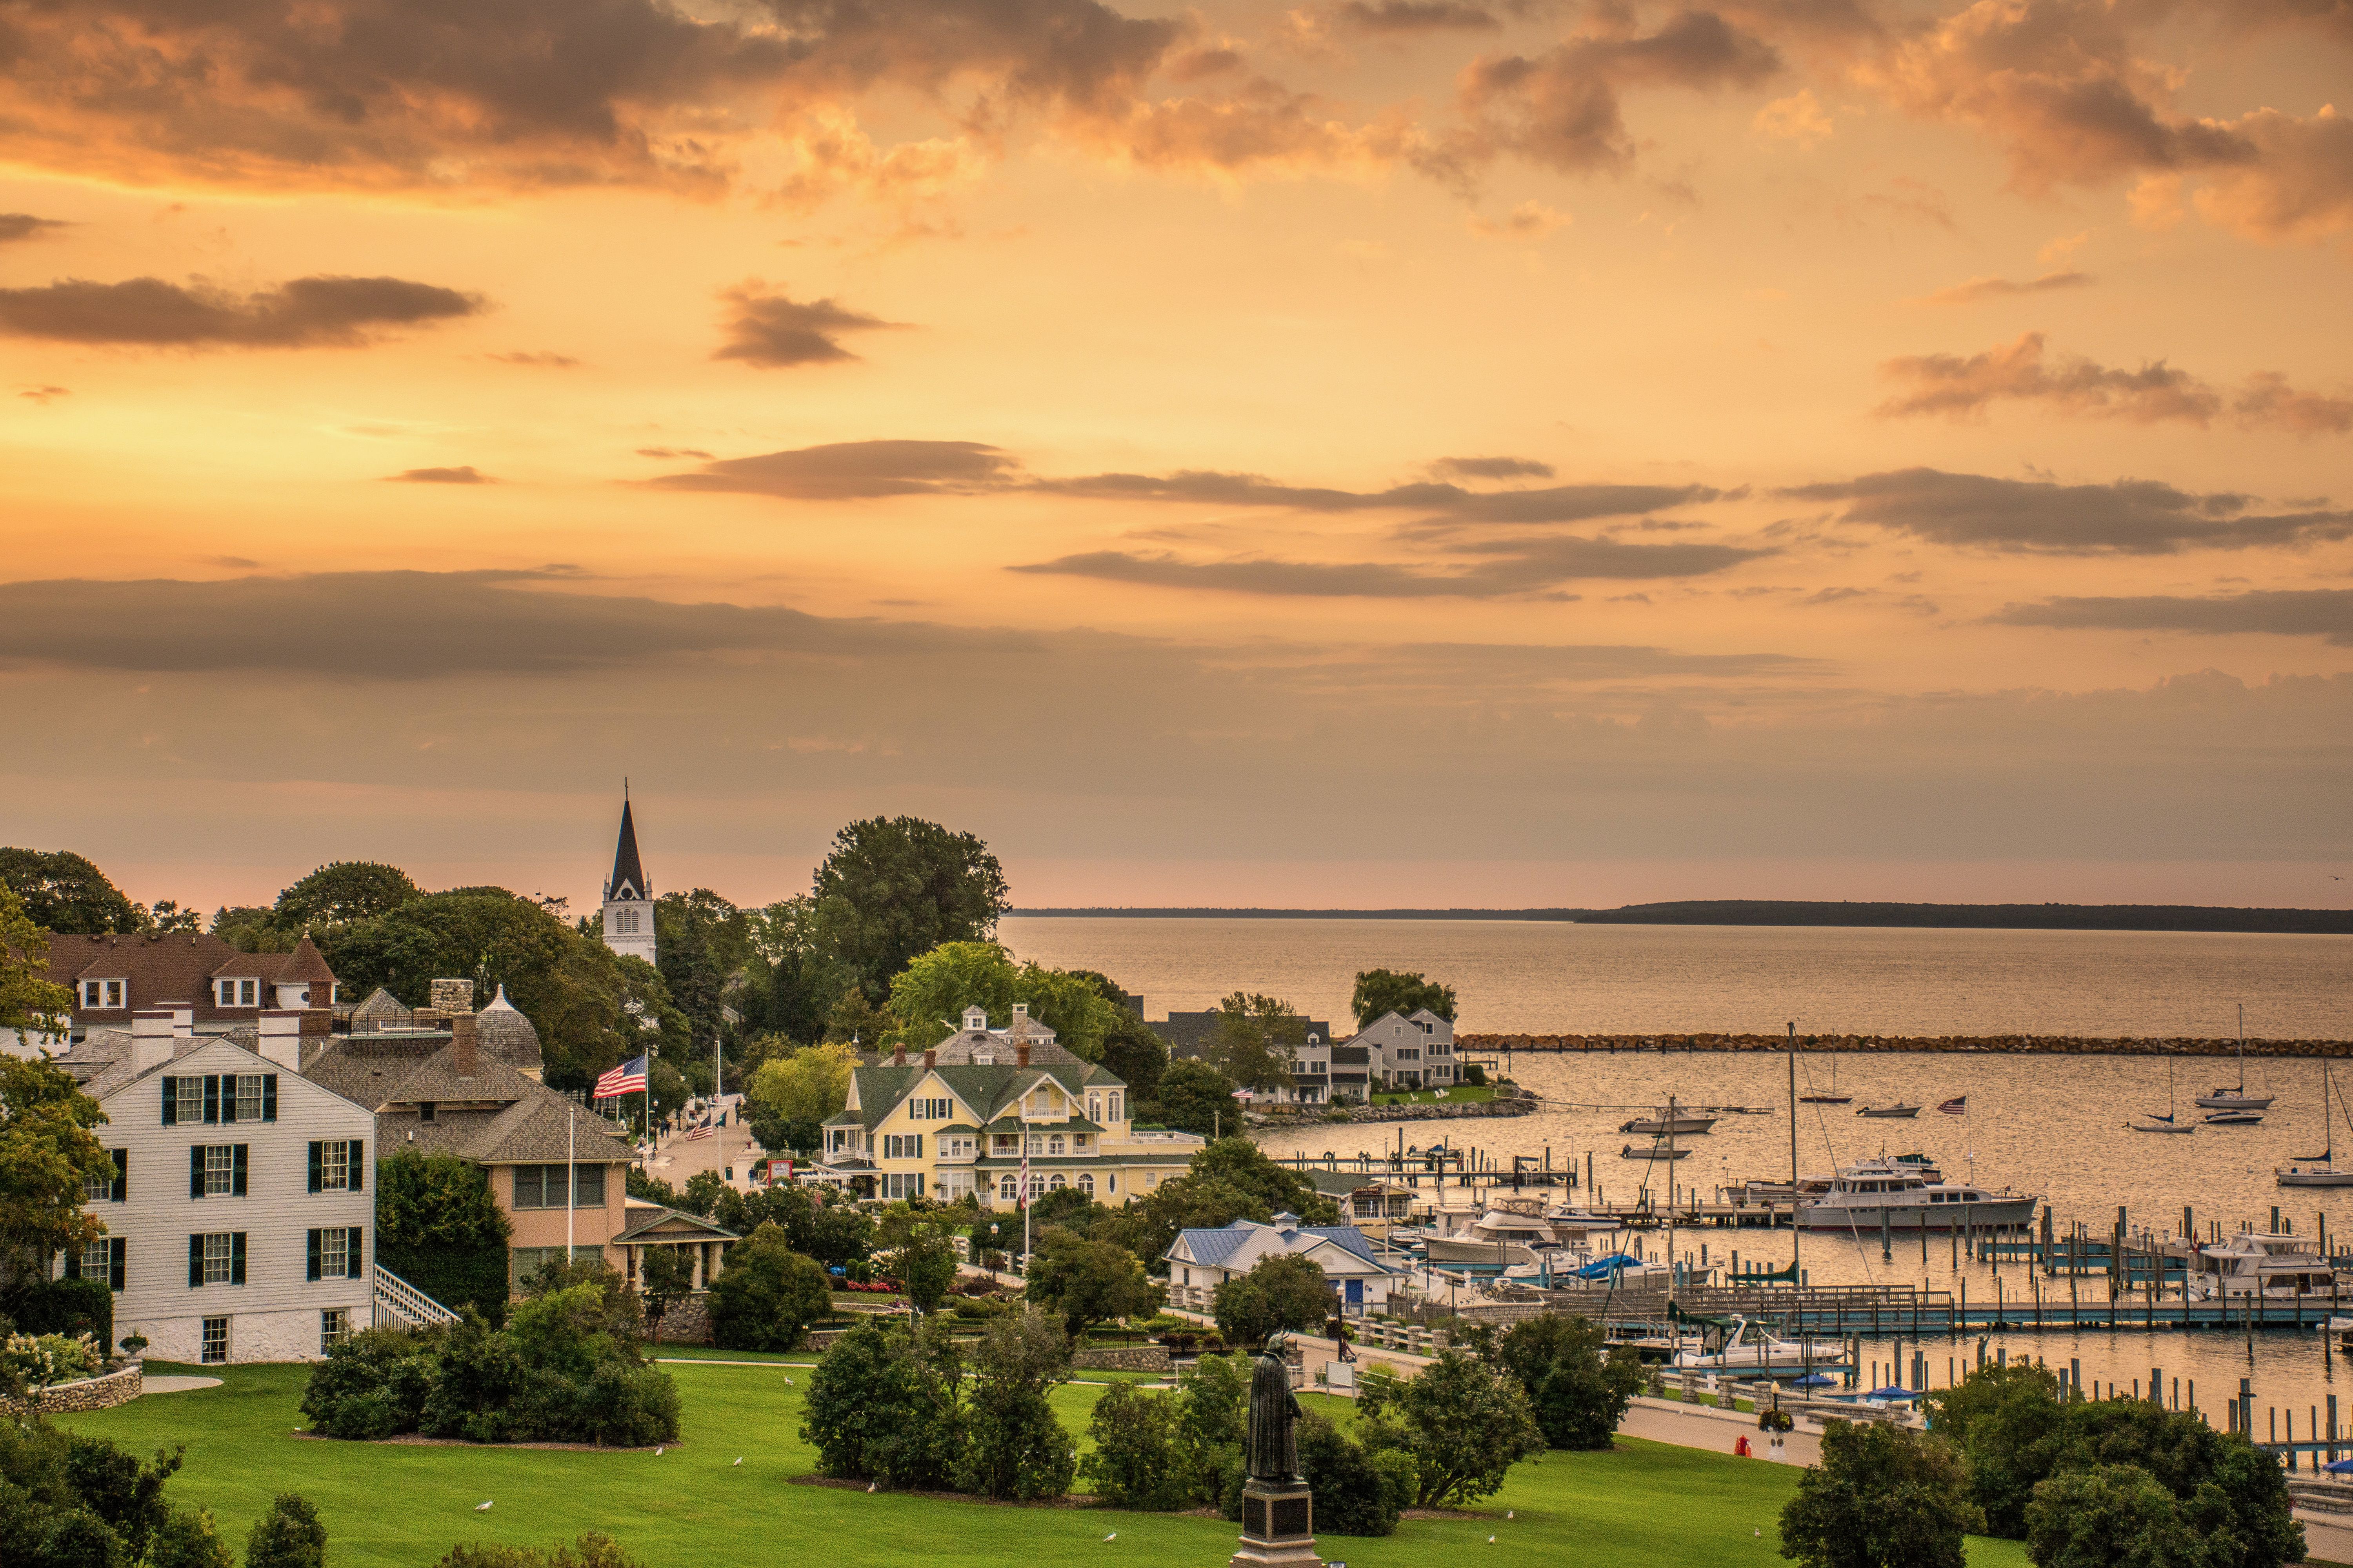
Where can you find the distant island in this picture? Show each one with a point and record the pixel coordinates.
(1808, 912)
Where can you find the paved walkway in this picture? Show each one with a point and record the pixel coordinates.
(175, 1384)
(1705, 1426)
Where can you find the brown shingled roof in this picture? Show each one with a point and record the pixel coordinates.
(308, 965)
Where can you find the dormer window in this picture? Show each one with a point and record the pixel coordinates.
(101, 993)
(425, 1111)
(239, 993)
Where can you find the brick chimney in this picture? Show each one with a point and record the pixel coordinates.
(1021, 1054)
(461, 1034)
(899, 1055)
(931, 1057)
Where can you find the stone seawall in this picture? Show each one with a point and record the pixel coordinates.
(2021, 1045)
(1401, 1113)
(102, 1393)
(1123, 1358)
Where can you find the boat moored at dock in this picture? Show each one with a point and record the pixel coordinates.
(1894, 1195)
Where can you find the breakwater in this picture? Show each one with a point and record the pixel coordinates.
(2002, 1045)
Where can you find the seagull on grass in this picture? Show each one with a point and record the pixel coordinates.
(482, 1506)
(1113, 1536)
(739, 1459)
(658, 1453)
(872, 1485)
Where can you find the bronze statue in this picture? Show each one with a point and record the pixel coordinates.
(1273, 1415)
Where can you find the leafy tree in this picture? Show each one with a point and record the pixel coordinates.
(1019, 1449)
(1466, 1425)
(438, 1227)
(928, 996)
(189, 1539)
(165, 914)
(767, 1295)
(809, 1086)
(1229, 1180)
(47, 1153)
(342, 892)
(251, 927)
(1068, 1207)
(801, 982)
(892, 889)
(1357, 1490)
(73, 1501)
(66, 894)
(1088, 1282)
(1133, 1464)
(30, 1000)
(2231, 1494)
(702, 1194)
(705, 944)
(592, 1549)
(1278, 1293)
(854, 1021)
(1256, 1038)
(121, 1491)
(2007, 1422)
(1577, 1386)
(1883, 1497)
(886, 1404)
(1194, 1097)
(1213, 1416)
(2111, 1516)
(1380, 990)
(1136, 1055)
(664, 1274)
(289, 1536)
(1240, 1162)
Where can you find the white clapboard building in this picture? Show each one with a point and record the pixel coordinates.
(240, 1223)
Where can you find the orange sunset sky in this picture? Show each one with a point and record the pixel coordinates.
(1389, 452)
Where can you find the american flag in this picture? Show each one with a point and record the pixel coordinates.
(1956, 1106)
(629, 1078)
(699, 1132)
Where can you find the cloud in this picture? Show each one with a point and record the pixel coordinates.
(1798, 118)
(306, 312)
(1517, 566)
(674, 452)
(1416, 16)
(844, 470)
(46, 394)
(25, 226)
(2325, 613)
(1561, 110)
(1982, 289)
(2299, 186)
(772, 331)
(1491, 468)
(1529, 220)
(465, 476)
(1965, 388)
(2130, 516)
(542, 360)
(1447, 503)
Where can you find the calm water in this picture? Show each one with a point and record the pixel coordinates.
(2049, 1125)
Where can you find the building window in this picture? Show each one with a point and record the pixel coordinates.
(1004, 1142)
(99, 1189)
(542, 1186)
(335, 1165)
(1087, 1183)
(215, 1350)
(220, 1170)
(1079, 1143)
(219, 1259)
(902, 1146)
(335, 1253)
(1113, 1103)
(931, 1109)
(1094, 1106)
(1037, 1142)
(522, 1262)
(240, 992)
(101, 993)
(1006, 1189)
(907, 1186)
(335, 1326)
(187, 1100)
(625, 922)
(248, 1096)
(1111, 1183)
(1055, 1145)
(98, 1259)
(425, 1110)
(1056, 1183)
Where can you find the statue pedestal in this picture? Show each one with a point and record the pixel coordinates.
(1278, 1527)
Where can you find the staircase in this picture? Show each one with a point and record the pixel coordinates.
(400, 1304)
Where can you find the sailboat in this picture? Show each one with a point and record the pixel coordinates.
(2319, 1170)
(2237, 1098)
(2164, 1124)
(1833, 1097)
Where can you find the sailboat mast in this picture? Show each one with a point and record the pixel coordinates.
(1793, 1146)
(2242, 1047)
(1671, 1196)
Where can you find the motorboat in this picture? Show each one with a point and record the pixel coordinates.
(2318, 1170)
(1897, 1110)
(1656, 1152)
(1462, 1252)
(2266, 1265)
(1738, 1348)
(2233, 1118)
(1663, 1123)
(1890, 1192)
(2237, 1098)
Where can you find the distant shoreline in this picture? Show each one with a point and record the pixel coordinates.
(1892, 1045)
(1804, 912)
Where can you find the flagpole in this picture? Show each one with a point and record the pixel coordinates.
(571, 1176)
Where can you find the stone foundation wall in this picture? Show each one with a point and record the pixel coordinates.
(102, 1393)
(688, 1321)
(1123, 1358)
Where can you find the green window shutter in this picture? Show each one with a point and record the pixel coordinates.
(236, 1172)
(228, 1096)
(351, 1253)
(116, 1254)
(212, 1098)
(195, 1170)
(269, 1097)
(317, 1172)
(359, 1149)
(121, 1193)
(237, 1259)
(73, 1262)
(314, 1254)
(171, 1098)
(196, 1260)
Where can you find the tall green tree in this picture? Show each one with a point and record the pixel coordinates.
(1130, 1048)
(1380, 990)
(2114, 1516)
(47, 1153)
(928, 996)
(886, 1404)
(1256, 1038)
(1883, 1497)
(2009, 1424)
(1577, 1386)
(705, 947)
(891, 889)
(438, 1227)
(1019, 1449)
(1193, 1097)
(65, 893)
(1088, 1282)
(804, 1088)
(30, 1000)
(1467, 1424)
(766, 1294)
(341, 892)
(1278, 1293)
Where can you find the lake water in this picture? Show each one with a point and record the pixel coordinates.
(2049, 1125)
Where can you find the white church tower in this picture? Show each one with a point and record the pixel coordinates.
(629, 902)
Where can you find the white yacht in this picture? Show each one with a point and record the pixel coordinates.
(1669, 1121)
(1861, 1194)
(1743, 1349)
(2264, 1263)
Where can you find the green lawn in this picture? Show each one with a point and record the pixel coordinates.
(1459, 1094)
(391, 1506)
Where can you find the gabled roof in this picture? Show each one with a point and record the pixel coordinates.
(436, 1081)
(988, 1090)
(160, 967)
(644, 1221)
(629, 877)
(1225, 1246)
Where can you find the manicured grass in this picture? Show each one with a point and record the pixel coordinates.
(1644, 1505)
(1460, 1094)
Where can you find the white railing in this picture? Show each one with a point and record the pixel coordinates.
(398, 1301)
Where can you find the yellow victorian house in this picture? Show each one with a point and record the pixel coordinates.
(955, 1123)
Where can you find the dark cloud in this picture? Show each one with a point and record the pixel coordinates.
(25, 226)
(1980, 288)
(2309, 612)
(1511, 567)
(46, 394)
(306, 312)
(1492, 468)
(696, 452)
(1553, 503)
(2130, 516)
(1560, 109)
(857, 469)
(772, 331)
(1964, 388)
(542, 360)
(1418, 17)
(465, 476)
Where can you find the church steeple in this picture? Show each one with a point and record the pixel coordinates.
(629, 900)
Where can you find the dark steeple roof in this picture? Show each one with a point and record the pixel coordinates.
(627, 872)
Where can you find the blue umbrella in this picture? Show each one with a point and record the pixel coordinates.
(1814, 1379)
(1891, 1392)
(2340, 1467)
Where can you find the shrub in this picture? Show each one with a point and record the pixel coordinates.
(289, 1536)
(1285, 1292)
(2109, 1515)
(1466, 1424)
(591, 1550)
(885, 1404)
(1357, 1491)
(1089, 1282)
(1577, 1387)
(1474, 1075)
(1883, 1497)
(767, 1295)
(188, 1539)
(1133, 1463)
(1213, 1414)
(68, 1307)
(38, 1361)
(372, 1385)
(1018, 1448)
